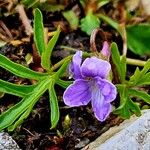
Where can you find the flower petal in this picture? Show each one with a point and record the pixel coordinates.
(105, 50)
(100, 108)
(93, 67)
(101, 113)
(75, 65)
(77, 94)
(108, 90)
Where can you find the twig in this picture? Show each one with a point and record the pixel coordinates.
(6, 30)
(24, 19)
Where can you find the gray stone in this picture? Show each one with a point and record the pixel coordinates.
(7, 143)
(132, 134)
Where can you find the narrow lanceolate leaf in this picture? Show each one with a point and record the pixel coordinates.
(54, 106)
(141, 77)
(134, 78)
(45, 59)
(17, 90)
(63, 84)
(146, 67)
(141, 94)
(39, 31)
(10, 116)
(119, 62)
(19, 70)
(21, 119)
(133, 107)
(144, 80)
(29, 3)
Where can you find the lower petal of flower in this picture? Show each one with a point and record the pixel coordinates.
(77, 94)
(100, 107)
(107, 89)
(101, 113)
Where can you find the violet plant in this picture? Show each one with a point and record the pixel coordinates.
(30, 94)
(92, 82)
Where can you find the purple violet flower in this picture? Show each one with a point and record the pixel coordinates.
(90, 84)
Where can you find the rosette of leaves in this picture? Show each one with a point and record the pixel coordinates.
(129, 89)
(30, 94)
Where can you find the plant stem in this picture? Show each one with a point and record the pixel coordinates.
(135, 62)
(68, 48)
(60, 63)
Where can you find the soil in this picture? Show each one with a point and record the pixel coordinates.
(77, 126)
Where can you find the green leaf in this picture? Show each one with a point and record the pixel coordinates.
(63, 84)
(29, 3)
(45, 59)
(144, 80)
(141, 94)
(54, 106)
(19, 70)
(39, 31)
(135, 77)
(127, 109)
(101, 3)
(146, 67)
(18, 90)
(127, 106)
(10, 116)
(72, 18)
(122, 110)
(89, 23)
(141, 77)
(51, 8)
(138, 38)
(133, 107)
(21, 119)
(119, 62)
